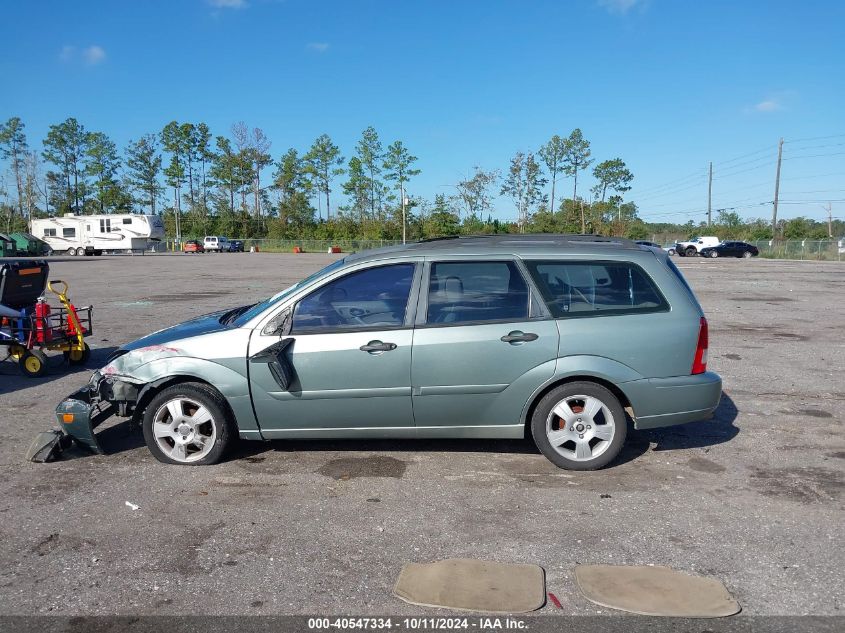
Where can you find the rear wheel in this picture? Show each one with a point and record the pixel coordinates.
(80, 251)
(71, 251)
(714, 253)
(188, 424)
(579, 426)
(746, 254)
(33, 363)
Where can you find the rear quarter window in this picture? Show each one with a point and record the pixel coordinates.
(584, 289)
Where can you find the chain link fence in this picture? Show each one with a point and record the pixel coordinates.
(288, 246)
(822, 250)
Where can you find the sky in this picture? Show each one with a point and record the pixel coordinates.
(666, 85)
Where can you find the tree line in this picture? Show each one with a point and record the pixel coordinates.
(234, 185)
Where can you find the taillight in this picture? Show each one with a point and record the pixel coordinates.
(699, 364)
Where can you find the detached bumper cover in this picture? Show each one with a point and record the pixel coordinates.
(80, 413)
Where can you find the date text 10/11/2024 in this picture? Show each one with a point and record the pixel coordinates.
(421, 623)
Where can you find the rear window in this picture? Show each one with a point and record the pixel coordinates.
(579, 289)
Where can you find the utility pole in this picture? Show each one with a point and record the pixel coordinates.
(829, 220)
(710, 195)
(402, 193)
(583, 225)
(777, 189)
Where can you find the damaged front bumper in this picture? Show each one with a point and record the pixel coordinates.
(85, 409)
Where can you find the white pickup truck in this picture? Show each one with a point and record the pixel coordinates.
(694, 246)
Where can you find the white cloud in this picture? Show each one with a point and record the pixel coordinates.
(619, 7)
(67, 53)
(228, 4)
(769, 105)
(90, 55)
(318, 47)
(93, 54)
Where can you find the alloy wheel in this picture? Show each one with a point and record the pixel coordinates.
(184, 430)
(580, 427)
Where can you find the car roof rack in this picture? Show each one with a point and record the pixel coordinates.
(535, 238)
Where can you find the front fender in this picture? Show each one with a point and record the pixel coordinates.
(231, 384)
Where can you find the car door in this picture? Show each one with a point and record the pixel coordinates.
(344, 362)
(482, 345)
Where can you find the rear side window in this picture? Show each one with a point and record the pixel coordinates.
(578, 289)
(477, 291)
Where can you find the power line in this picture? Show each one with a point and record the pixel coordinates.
(814, 138)
(815, 155)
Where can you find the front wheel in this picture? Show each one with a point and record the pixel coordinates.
(188, 424)
(691, 252)
(33, 363)
(579, 426)
(746, 254)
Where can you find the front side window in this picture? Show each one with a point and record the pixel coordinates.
(574, 289)
(68, 232)
(478, 291)
(371, 298)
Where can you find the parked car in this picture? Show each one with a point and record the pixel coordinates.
(649, 244)
(216, 244)
(693, 246)
(670, 249)
(731, 249)
(193, 246)
(475, 337)
(236, 246)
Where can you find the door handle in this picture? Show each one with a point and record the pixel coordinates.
(378, 346)
(516, 337)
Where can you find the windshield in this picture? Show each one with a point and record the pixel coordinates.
(260, 307)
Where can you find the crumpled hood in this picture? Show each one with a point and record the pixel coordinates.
(205, 324)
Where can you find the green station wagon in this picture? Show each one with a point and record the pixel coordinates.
(552, 336)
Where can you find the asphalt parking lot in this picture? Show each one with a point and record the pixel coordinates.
(753, 497)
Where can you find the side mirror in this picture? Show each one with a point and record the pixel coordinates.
(276, 360)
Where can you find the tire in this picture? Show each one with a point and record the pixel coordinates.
(714, 254)
(48, 252)
(78, 357)
(216, 426)
(671, 251)
(746, 255)
(80, 252)
(587, 449)
(691, 252)
(72, 252)
(33, 363)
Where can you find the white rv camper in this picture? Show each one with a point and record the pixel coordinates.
(93, 234)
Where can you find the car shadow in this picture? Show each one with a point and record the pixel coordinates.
(717, 430)
(12, 378)
(125, 436)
